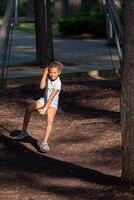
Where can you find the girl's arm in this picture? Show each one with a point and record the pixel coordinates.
(49, 101)
(44, 77)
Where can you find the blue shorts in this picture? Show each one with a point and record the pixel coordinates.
(43, 102)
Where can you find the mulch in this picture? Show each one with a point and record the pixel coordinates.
(84, 161)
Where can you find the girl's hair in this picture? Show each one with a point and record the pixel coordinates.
(56, 64)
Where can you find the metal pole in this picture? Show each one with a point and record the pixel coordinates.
(118, 47)
(116, 27)
(4, 37)
(109, 29)
(46, 49)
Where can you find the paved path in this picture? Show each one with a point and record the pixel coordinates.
(79, 55)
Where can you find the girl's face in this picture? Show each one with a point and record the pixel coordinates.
(53, 73)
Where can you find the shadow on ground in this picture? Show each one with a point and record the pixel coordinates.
(43, 163)
(88, 110)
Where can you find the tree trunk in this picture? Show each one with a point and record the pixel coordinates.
(127, 97)
(66, 7)
(44, 41)
(61, 8)
(74, 5)
(30, 11)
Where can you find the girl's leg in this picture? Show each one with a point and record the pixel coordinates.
(34, 106)
(50, 120)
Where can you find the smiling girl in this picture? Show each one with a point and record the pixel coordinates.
(48, 104)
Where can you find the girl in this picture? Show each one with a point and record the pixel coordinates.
(48, 104)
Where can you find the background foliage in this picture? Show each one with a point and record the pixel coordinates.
(89, 20)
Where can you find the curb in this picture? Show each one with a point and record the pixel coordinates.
(97, 74)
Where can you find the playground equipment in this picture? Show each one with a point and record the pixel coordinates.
(114, 31)
(6, 32)
(114, 27)
(6, 40)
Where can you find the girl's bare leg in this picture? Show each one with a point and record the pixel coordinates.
(29, 110)
(50, 120)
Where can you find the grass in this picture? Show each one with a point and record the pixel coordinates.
(1, 20)
(26, 27)
(29, 28)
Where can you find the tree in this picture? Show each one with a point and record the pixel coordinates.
(66, 7)
(44, 42)
(74, 5)
(127, 97)
(30, 10)
(61, 8)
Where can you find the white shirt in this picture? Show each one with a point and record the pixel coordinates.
(56, 84)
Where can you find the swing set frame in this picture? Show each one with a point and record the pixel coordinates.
(6, 33)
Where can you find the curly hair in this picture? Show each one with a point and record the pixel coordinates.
(56, 64)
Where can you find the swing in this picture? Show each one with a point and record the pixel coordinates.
(6, 33)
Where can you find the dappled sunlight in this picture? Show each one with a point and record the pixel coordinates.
(74, 51)
(85, 141)
(107, 58)
(17, 48)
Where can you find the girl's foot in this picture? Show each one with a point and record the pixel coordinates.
(43, 145)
